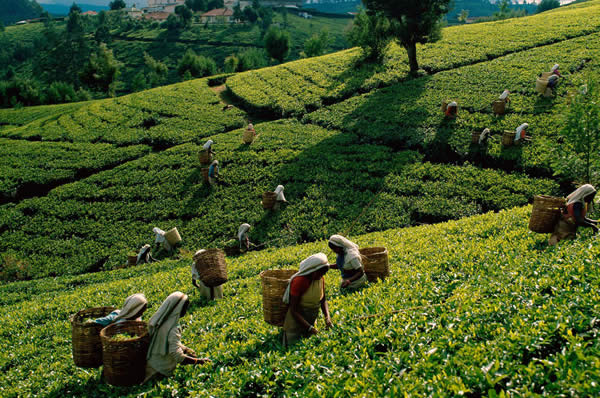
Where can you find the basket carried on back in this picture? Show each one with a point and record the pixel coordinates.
(475, 137)
(172, 236)
(204, 171)
(87, 347)
(508, 138)
(499, 107)
(375, 263)
(274, 282)
(125, 359)
(269, 199)
(248, 136)
(205, 157)
(131, 260)
(211, 267)
(540, 85)
(545, 213)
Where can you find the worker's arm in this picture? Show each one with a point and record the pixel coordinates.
(295, 309)
(582, 221)
(325, 310)
(194, 283)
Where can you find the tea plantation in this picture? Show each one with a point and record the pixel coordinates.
(476, 304)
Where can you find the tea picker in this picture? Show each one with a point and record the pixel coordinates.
(208, 147)
(349, 262)
(144, 256)
(521, 133)
(450, 110)
(211, 293)
(213, 172)
(499, 106)
(132, 310)
(243, 238)
(574, 214)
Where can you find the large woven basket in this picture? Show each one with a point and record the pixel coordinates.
(540, 85)
(204, 171)
(508, 138)
(131, 260)
(475, 137)
(125, 360)
(87, 347)
(274, 282)
(375, 263)
(211, 267)
(499, 107)
(248, 136)
(546, 75)
(545, 213)
(269, 199)
(172, 236)
(205, 156)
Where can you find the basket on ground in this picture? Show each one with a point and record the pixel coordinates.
(508, 138)
(269, 199)
(211, 267)
(87, 347)
(172, 236)
(248, 136)
(545, 213)
(125, 360)
(131, 260)
(274, 282)
(375, 263)
(499, 107)
(205, 157)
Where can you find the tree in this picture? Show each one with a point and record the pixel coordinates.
(266, 18)
(372, 33)
(250, 14)
(213, 4)
(102, 35)
(74, 9)
(197, 5)
(231, 64)
(463, 16)
(252, 58)
(171, 23)
(139, 82)
(101, 71)
(317, 44)
(2, 28)
(415, 21)
(546, 5)
(581, 136)
(277, 43)
(238, 15)
(197, 66)
(117, 4)
(185, 15)
(156, 71)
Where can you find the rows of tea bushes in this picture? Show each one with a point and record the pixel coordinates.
(497, 312)
(329, 177)
(160, 117)
(298, 87)
(35, 166)
(17, 117)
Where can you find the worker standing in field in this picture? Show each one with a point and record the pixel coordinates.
(166, 351)
(305, 295)
(208, 147)
(132, 310)
(349, 262)
(579, 204)
(280, 197)
(451, 110)
(213, 172)
(243, 238)
(505, 96)
(211, 293)
(521, 133)
(484, 136)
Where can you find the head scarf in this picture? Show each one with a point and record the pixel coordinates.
(504, 95)
(161, 323)
(484, 135)
(160, 238)
(279, 192)
(143, 253)
(133, 304)
(250, 126)
(522, 127)
(308, 266)
(242, 231)
(554, 68)
(208, 144)
(350, 248)
(580, 193)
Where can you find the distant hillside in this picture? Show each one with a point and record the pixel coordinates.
(63, 9)
(17, 10)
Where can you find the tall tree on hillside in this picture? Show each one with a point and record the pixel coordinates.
(101, 71)
(277, 43)
(411, 22)
(117, 4)
(74, 8)
(185, 15)
(1, 26)
(546, 5)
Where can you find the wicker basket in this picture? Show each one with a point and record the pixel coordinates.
(131, 260)
(205, 157)
(172, 236)
(508, 138)
(274, 282)
(475, 137)
(211, 267)
(204, 171)
(545, 213)
(546, 75)
(87, 347)
(499, 107)
(375, 263)
(540, 85)
(248, 136)
(269, 199)
(125, 360)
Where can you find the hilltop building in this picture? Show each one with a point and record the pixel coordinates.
(218, 16)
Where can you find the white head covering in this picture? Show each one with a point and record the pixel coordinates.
(308, 266)
(504, 95)
(208, 144)
(484, 134)
(350, 248)
(580, 193)
(160, 238)
(522, 127)
(279, 192)
(250, 126)
(195, 274)
(133, 304)
(452, 104)
(142, 253)
(161, 323)
(242, 231)
(554, 68)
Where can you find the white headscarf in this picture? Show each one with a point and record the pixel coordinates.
(279, 192)
(160, 238)
(453, 104)
(308, 266)
(142, 253)
(350, 248)
(161, 323)
(208, 144)
(250, 126)
(522, 127)
(482, 137)
(242, 231)
(195, 273)
(504, 95)
(554, 68)
(133, 304)
(580, 193)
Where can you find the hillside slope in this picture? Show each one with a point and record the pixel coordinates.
(17, 10)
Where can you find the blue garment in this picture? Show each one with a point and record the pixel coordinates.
(211, 171)
(107, 320)
(340, 264)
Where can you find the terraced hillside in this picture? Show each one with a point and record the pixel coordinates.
(479, 306)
